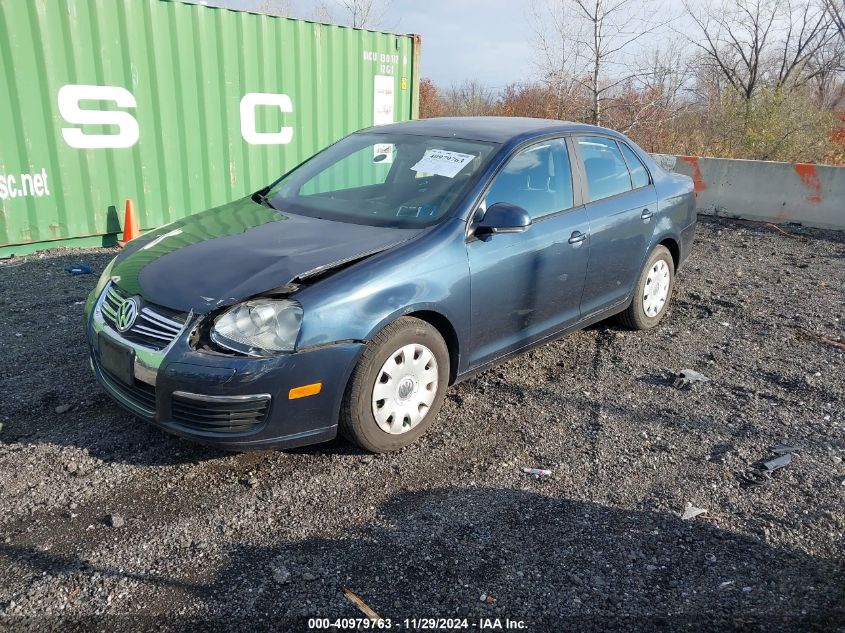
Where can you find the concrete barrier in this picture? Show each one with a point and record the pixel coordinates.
(811, 195)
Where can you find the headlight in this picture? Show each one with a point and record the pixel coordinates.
(259, 327)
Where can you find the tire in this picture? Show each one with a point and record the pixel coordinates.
(646, 310)
(409, 390)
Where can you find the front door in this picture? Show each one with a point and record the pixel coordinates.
(525, 286)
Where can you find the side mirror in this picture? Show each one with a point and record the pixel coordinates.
(503, 217)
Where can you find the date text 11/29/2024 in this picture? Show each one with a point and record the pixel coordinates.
(418, 624)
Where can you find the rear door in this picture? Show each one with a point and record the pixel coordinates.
(621, 206)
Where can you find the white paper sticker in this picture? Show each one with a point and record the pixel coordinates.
(441, 162)
(383, 153)
(383, 99)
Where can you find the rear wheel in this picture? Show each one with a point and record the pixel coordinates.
(652, 293)
(397, 387)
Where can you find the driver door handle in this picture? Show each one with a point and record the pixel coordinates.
(577, 237)
(646, 214)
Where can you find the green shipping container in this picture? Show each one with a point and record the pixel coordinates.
(179, 107)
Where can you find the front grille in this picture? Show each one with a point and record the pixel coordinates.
(139, 397)
(219, 414)
(155, 327)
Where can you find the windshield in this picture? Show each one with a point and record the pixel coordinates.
(394, 180)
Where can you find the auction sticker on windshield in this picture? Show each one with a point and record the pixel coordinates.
(441, 162)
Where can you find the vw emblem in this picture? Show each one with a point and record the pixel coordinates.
(406, 388)
(126, 314)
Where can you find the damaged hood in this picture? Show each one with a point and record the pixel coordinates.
(228, 253)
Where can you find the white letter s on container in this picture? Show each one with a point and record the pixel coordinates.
(248, 105)
(69, 97)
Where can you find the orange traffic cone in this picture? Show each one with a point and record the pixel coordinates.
(131, 227)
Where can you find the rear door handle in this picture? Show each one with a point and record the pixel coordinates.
(646, 214)
(577, 237)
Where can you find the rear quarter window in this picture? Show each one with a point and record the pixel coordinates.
(639, 174)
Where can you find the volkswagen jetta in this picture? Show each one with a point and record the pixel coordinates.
(350, 293)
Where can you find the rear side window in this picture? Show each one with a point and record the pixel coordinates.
(607, 173)
(639, 175)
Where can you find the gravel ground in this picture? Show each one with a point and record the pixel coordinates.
(110, 524)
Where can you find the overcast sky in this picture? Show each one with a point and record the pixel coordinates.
(488, 40)
(469, 39)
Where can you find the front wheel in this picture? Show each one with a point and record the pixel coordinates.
(652, 293)
(397, 387)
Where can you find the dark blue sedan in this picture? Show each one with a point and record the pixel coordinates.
(351, 292)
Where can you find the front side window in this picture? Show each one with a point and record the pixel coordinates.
(394, 180)
(639, 174)
(607, 173)
(538, 179)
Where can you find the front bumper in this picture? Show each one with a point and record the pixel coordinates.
(233, 402)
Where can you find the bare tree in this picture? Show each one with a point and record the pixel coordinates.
(275, 7)
(585, 44)
(778, 43)
(836, 9)
(364, 13)
(360, 14)
(471, 98)
(559, 56)
(657, 95)
(611, 27)
(323, 12)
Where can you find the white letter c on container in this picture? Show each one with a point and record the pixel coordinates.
(248, 104)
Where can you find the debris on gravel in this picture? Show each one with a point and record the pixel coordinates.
(362, 606)
(778, 462)
(116, 521)
(690, 512)
(600, 546)
(79, 269)
(537, 472)
(688, 377)
(280, 574)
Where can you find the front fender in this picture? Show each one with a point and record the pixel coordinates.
(428, 274)
(411, 309)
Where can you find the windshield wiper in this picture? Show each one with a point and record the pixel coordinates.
(261, 197)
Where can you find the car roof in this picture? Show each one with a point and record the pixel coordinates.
(485, 128)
